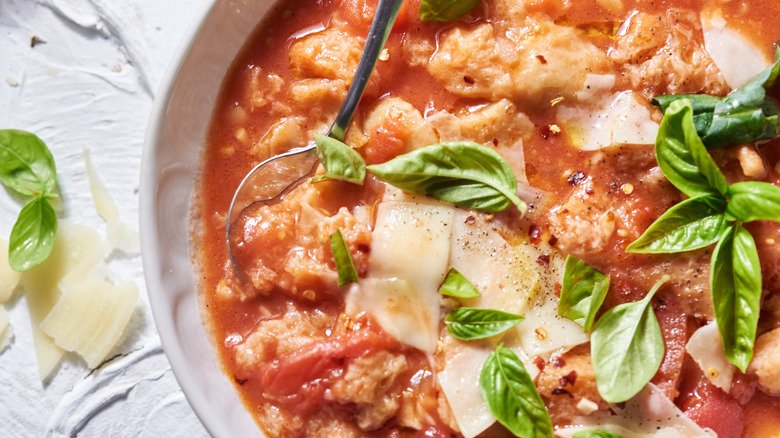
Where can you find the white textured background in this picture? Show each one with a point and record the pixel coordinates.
(90, 84)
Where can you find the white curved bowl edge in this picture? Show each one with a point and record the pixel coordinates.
(174, 137)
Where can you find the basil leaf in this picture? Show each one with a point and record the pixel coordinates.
(511, 397)
(735, 282)
(26, 164)
(460, 173)
(754, 201)
(689, 225)
(456, 285)
(682, 156)
(596, 434)
(744, 116)
(627, 348)
(344, 264)
(445, 10)
(341, 162)
(468, 323)
(32, 237)
(583, 292)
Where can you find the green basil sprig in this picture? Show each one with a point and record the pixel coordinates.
(714, 213)
(341, 162)
(469, 323)
(27, 168)
(735, 282)
(744, 116)
(511, 396)
(583, 292)
(627, 348)
(596, 434)
(344, 264)
(445, 10)
(465, 174)
(458, 286)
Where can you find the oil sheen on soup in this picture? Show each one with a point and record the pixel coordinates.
(563, 92)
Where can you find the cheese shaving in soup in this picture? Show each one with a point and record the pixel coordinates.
(569, 223)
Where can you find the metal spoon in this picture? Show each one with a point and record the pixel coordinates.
(271, 180)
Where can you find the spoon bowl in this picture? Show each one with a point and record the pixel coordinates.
(271, 180)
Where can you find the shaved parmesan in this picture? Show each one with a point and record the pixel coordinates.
(9, 278)
(90, 317)
(618, 119)
(650, 414)
(6, 331)
(737, 58)
(460, 382)
(123, 236)
(507, 280)
(705, 347)
(104, 204)
(409, 260)
(459, 379)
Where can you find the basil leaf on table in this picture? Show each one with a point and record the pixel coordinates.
(689, 225)
(458, 286)
(511, 396)
(445, 10)
(344, 264)
(468, 323)
(744, 116)
(341, 162)
(754, 201)
(33, 234)
(596, 434)
(583, 292)
(627, 348)
(735, 282)
(465, 174)
(26, 164)
(682, 157)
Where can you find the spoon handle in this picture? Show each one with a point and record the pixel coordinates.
(384, 17)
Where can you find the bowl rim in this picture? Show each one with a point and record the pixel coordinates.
(149, 236)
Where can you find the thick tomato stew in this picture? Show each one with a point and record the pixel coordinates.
(576, 309)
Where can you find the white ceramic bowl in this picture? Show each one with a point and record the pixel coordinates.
(174, 138)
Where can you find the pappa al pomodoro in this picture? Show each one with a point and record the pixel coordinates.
(635, 289)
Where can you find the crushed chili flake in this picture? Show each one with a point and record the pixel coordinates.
(539, 362)
(534, 233)
(364, 247)
(568, 379)
(549, 131)
(552, 240)
(240, 381)
(557, 361)
(495, 142)
(576, 178)
(558, 288)
(470, 220)
(561, 391)
(541, 59)
(544, 260)
(468, 79)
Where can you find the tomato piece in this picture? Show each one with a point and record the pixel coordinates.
(708, 405)
(386, 143)
(673, 323)
(299, 380)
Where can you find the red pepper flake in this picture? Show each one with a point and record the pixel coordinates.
(541, 59)
(495, 142)
(470, 220)
(576, 178)
(544, 260)
(558, 288)
(468, 79)
(557, 361)
(539, 362)
(590, 191)
(561, 391)
(535, 233)
(568, 379)
(552, 240)
(240, 381)
(364, 247)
